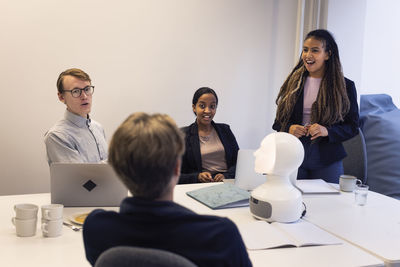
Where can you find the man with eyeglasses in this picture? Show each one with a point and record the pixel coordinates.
(75, 138)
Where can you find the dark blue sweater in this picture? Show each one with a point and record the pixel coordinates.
(204, 240)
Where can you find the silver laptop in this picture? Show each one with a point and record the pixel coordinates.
(85, 185)
(245, 176)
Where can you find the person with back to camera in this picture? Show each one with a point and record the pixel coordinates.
(318, 105)
(211, 148)
(145, 152)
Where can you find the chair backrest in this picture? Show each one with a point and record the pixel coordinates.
(356, 161)
(123, 256)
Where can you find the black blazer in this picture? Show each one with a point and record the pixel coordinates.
(191, 160)
(331, 148)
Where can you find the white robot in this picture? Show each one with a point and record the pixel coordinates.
(279, 157)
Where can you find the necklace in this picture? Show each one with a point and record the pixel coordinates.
(205, 138)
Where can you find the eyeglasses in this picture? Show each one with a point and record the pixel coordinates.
(76, 92)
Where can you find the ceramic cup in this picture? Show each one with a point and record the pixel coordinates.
(360, 194)
(25, 227)
(52, 211)
(52, 228)
(26, 211)
(348, 183)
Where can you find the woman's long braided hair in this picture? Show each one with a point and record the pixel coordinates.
(332, 103)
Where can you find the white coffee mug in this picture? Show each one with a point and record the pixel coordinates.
(348, 183)
(25, 228)
(26, 211)
(52, 211)
(52, 228)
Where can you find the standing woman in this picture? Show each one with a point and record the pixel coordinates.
(318, 105)
(211, 148)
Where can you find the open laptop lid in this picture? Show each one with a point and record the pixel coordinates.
(245, 176)
(86, 185)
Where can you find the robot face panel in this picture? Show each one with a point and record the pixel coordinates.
(279, 154)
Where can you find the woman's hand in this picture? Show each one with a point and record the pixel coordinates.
(205, 177)
(298, 130)
(219, 177)
(316, 131)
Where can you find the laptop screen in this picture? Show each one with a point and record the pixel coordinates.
(86, 185)
(245, 176)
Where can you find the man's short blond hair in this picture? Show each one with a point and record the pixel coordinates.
(144, 151)
(77, 73)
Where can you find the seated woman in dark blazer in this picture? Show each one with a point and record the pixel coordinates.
(211, 148)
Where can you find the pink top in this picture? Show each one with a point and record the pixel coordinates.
(311, 88)
(212, 153)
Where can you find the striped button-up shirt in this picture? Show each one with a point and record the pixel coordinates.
(76, 139)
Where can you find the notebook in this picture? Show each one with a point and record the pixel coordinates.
(85, 185)
(263, 235)
(245, 177)
(221, 196)
(315, 186)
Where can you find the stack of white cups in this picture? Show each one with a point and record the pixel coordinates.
(52, 220)
(25, 219)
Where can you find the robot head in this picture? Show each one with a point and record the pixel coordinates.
(279, 154)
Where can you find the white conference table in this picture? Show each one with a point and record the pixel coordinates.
(68, 250)
(332, 255)
(374, 227)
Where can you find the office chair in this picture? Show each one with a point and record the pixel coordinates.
(356, 161)
(123, 256)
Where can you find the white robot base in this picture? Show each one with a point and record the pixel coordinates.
(277, 200)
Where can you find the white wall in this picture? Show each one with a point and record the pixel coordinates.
(142, 56)
(346, 21)
(381, 55)
(368, 38)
